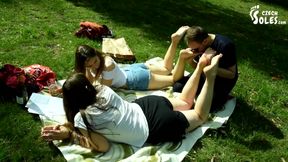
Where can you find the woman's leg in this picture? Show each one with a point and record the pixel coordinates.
(158, 81)
(200, 113)
(186, 98)
(167, 66)
(170, 54)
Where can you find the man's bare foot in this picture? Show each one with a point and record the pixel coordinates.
(211, 70)
(177, 36)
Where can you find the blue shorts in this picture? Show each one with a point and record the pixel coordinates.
(138, 76)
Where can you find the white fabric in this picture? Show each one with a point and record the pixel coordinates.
(125, 153)
(121, 122)
(117, 75)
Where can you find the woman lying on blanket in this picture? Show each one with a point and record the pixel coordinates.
(100, 115)
(139, 76)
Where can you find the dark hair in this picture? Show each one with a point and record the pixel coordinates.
(195, 33)
(82, 54)
(78, 93)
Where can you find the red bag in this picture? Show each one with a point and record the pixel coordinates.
(39, 75)
(93, 31)
(33, 78)
(12, 76)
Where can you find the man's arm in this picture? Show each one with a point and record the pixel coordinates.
(229, 73)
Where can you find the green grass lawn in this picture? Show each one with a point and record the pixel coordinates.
(42, 32)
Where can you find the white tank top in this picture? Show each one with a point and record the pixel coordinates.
(122, 122)
(117, 75)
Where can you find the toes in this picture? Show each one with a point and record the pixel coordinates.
(182, 30)
(216, 59)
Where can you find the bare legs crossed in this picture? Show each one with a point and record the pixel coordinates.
(199, 114)
(161, 75)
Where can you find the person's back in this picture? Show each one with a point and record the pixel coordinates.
(224, 45)
(223, 86)
(116, 119)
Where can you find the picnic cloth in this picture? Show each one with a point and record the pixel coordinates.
(50, 110)
(121, 152)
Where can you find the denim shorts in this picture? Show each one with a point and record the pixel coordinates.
(138, 76)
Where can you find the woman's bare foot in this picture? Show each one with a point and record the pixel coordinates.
(177, 36)
(186, 54)
(209, 54)
(204, 60)
(210, 71)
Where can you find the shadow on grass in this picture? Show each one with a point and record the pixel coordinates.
(263, 45)
(282, 3)
(255, 122)
(249, 128)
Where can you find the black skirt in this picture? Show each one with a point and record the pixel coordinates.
(165, 125)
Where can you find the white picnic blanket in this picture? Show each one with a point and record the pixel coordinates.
(50, 110)
(174, 152)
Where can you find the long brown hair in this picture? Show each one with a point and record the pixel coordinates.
(85, 52)
(78, 93)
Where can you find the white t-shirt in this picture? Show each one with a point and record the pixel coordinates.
(117, 75)
(122, 122)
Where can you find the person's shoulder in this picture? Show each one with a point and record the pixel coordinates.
(103, 89)
(223, 38)
(109, 63)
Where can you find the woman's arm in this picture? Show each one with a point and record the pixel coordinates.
(97, 141)
(55, 132)
(89, 75)
(107, 77)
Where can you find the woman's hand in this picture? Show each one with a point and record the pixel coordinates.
(55, 132)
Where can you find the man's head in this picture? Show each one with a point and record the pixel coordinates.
(197, 39)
